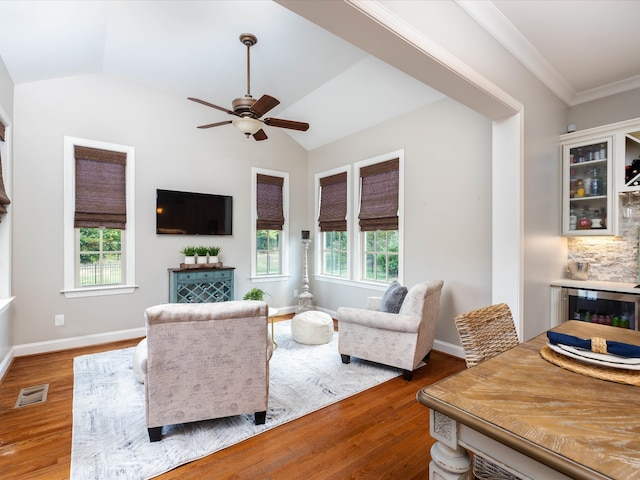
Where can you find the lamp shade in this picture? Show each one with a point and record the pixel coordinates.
(247, 125)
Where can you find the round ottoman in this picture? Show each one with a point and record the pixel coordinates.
(312, 327)
(140, 360)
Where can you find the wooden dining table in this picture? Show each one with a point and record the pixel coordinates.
(536, 419)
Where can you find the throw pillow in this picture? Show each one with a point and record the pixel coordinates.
(393, 298)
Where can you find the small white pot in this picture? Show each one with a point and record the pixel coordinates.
(189, 260)
(201, 259)
(213, 259)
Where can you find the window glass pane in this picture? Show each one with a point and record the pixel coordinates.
(381, 241)
(334, 253)
(89, 239)
(343, 264)
(370, 266)
(393, 267)
(393, 240)
(261, 265)
(268, 254)
(369, 241)
(111, 239)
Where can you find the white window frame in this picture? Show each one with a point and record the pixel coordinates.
(70, 244)
(320, 236)
(358, 236)
(284, 240)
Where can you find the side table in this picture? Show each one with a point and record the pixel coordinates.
(272, 313)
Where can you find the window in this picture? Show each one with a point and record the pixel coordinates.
(99, 218)
(270, 204)
(379, 218)
(332, 222)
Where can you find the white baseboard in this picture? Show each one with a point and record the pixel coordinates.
(6, 363)
(76, 342)
(450, 348)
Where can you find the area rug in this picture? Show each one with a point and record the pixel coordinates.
(110, 439)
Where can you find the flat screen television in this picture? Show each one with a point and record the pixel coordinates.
(188, 213)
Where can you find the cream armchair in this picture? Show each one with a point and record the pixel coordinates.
(400, 340)
(204, 361)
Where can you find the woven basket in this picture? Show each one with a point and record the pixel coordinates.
(486, 332)
(483, 469)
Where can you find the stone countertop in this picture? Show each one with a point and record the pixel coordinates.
(597, 285)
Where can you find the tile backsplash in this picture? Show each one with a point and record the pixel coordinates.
(612, 259)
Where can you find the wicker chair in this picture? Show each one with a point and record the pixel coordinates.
(484, 333)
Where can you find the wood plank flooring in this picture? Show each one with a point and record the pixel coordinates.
(382, 433)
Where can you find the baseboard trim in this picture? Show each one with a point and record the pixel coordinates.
(77, 342)
(6, 363)
(449, 348)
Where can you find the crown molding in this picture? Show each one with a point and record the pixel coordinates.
(486, 14)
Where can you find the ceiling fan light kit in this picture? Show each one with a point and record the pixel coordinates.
(247, 125)
(248, 110)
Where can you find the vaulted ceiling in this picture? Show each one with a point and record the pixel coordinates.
(581, 50)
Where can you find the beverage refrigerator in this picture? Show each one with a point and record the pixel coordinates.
(596, 306)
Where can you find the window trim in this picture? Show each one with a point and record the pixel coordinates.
(284, 241)
(318, 234)
(129, 286)
(358, 236)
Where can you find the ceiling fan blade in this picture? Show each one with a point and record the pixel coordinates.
(278, 122)
(217, 124)
(222, 109)
(264, 104)
(260, 135)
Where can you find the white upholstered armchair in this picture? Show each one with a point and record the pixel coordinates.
(400, 340)
(204, 361)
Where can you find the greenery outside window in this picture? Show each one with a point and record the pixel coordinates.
(100, 257)
(268, 252)
(381, 255)
(334, 254)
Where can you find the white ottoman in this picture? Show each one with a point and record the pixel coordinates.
(312, 328)
(140, 361)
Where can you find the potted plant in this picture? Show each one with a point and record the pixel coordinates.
(255, 294)
(213, 254)
(201, 254)
(189, 255)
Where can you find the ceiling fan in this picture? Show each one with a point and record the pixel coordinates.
(248, 110)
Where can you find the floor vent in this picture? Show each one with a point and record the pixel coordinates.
(32, 395)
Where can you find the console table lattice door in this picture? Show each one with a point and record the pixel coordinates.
(201, 286)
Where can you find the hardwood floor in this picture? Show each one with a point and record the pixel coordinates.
(382, 433)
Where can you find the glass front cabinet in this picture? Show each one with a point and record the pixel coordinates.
(587, 187)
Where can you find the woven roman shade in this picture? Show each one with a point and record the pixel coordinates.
(379, 185)
(269, 202)
(100, 188)
(333, 203)
(4, 198)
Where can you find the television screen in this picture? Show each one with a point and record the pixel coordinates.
(186, 213)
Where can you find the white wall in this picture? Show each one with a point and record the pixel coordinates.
(447, 205)
(611, 109)
(170, 153)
